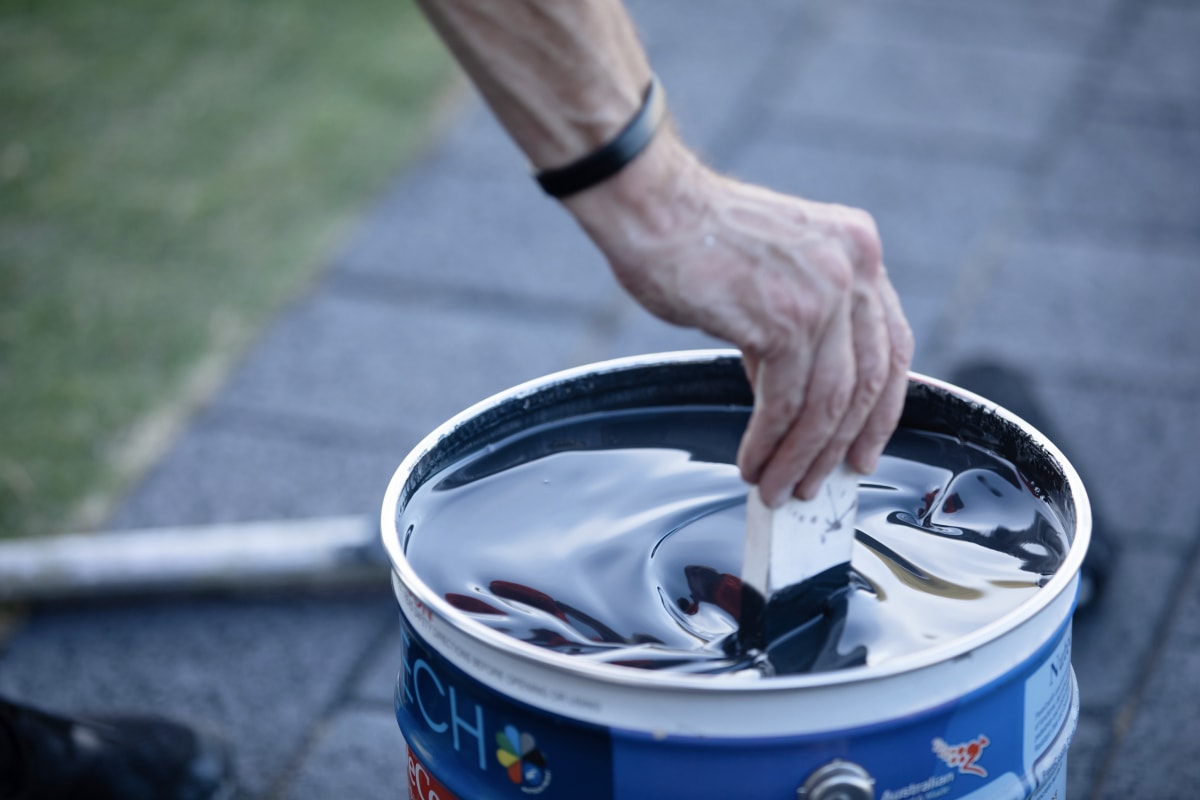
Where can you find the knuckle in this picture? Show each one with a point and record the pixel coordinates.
(874, 365)
(785, 407)
(841, 274)
(770, 340)
(863, 235)
(903, 345)
(872, 379)
(836, 402)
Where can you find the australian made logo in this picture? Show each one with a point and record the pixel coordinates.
(525, 763)
(963, 757)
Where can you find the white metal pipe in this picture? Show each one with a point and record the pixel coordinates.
(335, 550)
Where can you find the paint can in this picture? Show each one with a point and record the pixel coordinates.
(986, 716)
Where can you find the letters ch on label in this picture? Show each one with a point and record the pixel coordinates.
(420, 686)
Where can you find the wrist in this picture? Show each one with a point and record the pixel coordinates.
(602, 162)
(656, 197)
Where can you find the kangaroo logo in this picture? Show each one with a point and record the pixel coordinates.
(964, 756)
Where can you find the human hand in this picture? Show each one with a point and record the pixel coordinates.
(798, 286)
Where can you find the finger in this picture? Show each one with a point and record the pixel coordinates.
(780, 384)
(865, 452)
(829, 388)
(750, 365)
(871, 350)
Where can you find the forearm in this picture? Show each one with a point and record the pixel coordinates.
(562, 77)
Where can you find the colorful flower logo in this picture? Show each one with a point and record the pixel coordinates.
(525, 763)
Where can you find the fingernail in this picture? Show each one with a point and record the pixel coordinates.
(751, 479)
(744, 468)
(776, 499)
(865, 465)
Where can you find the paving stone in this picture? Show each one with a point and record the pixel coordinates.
(1159, 240)
(359, 754)
(1156, 81)
(660, 22)
(712, 98)
(1086, 756)
(1128, 176)
(922, 309)
(1113, 641)
(1089, 9)
(1173, 112)
(1062, 28)
(944, 90)
(386, 363)
(227, 469)
(258, 671)
(477, 230)
(1157, 753)
(1162, 56)
(378, 682)
(637, 332)
(1137, 308)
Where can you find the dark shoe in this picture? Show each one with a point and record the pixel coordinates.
(1011, 389)
(48, 757)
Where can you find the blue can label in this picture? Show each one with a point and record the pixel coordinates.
(468, 740)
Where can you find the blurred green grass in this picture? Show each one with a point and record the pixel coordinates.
(170, 174)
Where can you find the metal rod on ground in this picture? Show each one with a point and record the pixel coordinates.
(302, 553)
